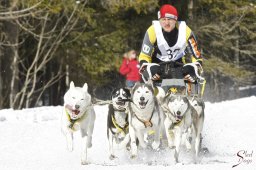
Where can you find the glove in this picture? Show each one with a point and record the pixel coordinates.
(150, 71)
(189, 73)
(192, 71)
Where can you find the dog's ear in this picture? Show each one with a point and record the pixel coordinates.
(71, 85)
(185, 99)
(113, 92)
(127, 91)
(171, 98)
(135, 86)
(85, 87)
(150, 83)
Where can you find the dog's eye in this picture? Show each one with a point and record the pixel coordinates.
(82, 99)
(138, 91)
(147, 91)
(73, 98)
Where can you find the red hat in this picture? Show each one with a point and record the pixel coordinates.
(168, 11)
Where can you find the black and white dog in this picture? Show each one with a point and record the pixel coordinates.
(117, 123)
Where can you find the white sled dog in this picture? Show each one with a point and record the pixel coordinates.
(78, 114)
(144, 115)
(181, 118)
(117, 123)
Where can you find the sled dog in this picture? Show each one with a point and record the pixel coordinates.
(117, 122)
(182, 119)
(144, 115)
(78, 114)
(198, 119)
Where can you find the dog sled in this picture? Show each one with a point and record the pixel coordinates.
(181, 86)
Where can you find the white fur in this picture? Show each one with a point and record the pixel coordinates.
(77, 98)
(182, 124)
(137, 129)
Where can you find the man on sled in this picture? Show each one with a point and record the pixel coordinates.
(167, 46)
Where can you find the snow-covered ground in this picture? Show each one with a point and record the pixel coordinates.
(30, 139)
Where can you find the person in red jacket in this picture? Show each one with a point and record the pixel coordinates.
(130, 68)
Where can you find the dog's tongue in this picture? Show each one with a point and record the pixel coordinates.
(142, 103)
(179, 117)
(76, 112)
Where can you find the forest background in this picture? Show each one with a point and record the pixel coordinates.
(45, 44)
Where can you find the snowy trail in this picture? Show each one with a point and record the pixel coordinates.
(31, 139)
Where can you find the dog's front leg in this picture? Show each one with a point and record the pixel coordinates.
(195, 144)
(188, 139)
(169, 135)
(110, 142)
(90, 129)
(134, 148)
(69, 139)
(124, 142)
(156, 143)
(84, 148)
(140, 136)
(177, 141)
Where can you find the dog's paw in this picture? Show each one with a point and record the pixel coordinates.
(144, 146)
(112, 157)
(171, 145)
(133, 156)
(70, 148)
(84, 162)
(155, 145)
(128, 148)
(89, 145)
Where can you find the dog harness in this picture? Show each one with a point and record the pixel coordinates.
(119, 128)
(147, 123)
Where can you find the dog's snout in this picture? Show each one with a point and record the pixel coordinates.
(119, 98)
(77, 106)
(178, 112)
(142, 98)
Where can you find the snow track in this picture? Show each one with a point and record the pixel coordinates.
(30, 139)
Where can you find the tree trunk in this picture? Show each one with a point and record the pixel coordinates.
(14, 65)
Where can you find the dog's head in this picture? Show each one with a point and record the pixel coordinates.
(142, 95)
(76, 100)
(177, 105)
(120, 98)
(198, 105)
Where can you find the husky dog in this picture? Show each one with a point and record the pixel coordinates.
(198, 119)
(117, 123)
(182, 119)
(144, 115)
(78, 114)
